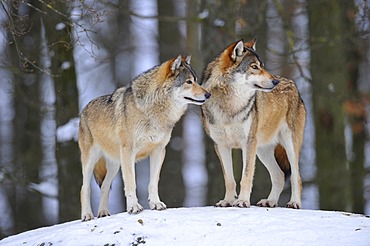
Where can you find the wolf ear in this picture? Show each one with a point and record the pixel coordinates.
(176, 64)
(188, 59)
(238, 50)
(251, 43)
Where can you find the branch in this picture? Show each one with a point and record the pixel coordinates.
(169, 18)
(14, 32)
(17, 31)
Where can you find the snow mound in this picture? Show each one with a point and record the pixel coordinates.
(207, 226)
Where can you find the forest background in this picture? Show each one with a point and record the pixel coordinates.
(58, 55)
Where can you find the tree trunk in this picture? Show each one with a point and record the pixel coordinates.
(355, 108)
(329, 79)
(27, 140)
(173, 191)
(60, 44)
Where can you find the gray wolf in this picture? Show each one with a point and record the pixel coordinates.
(134, 122)
(259, 113)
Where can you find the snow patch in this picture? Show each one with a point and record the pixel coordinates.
(66, 65)
(45, 188)
(68, 131)
(60, 26)
(207, 226)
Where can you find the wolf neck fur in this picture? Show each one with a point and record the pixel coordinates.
(239, 99)
(156, 95)
(237, 93)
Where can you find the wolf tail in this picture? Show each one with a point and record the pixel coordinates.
(282, 159)
(100, 170)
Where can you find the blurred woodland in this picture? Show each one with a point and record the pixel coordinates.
(58, 55)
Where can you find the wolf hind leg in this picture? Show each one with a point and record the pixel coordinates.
(88, 160)
(266, 156)
(292, 152)
(224, 154)
(112, 170)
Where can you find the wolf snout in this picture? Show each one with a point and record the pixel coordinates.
(207, 95)
(275, 82)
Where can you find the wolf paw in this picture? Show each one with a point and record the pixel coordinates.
(267, 203)
(294, 205)
(157, 205)
(135, 209)
(87, 217)
(103, 213)
(224, 203)
(241, 204)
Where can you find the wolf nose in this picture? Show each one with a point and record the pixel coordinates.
(207, 95)
(275, 82)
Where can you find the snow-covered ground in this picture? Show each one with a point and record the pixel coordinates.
(207, 226)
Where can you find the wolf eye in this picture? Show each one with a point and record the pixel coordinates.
(254, 66)
(189, 82)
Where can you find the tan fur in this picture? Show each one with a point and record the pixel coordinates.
(134, 122)
(282, 158)
(100, 170)
(257, 112)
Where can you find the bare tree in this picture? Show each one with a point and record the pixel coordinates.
(59, 38)
(332, 53)
(25, 35)
(169, 47)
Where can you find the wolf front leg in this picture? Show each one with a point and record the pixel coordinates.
(156, 161)
(224, 154)
(246, 183)
(128, 175)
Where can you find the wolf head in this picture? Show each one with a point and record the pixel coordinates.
(240, 64)
(185, 86)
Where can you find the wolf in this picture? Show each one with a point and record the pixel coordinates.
(134, 122)
(259, 113)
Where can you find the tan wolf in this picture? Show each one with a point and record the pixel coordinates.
(132, 123)
(259, 113)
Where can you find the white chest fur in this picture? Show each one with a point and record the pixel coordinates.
(232, 135)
